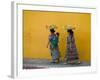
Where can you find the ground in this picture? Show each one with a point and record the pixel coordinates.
(45, 63)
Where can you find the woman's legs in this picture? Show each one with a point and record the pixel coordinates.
(55, 55)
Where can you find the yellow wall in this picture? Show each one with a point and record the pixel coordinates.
(36, 35)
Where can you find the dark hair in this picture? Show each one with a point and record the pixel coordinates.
(52, 30)
(70, 31)
(57, 33)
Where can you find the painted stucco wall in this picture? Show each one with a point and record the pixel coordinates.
(35, 34)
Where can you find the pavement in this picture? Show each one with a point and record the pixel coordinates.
(45, 63)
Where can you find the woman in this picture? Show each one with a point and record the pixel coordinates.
(53, 42)
(71, 54)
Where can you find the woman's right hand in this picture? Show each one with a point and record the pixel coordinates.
(47, 46)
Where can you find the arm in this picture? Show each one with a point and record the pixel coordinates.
(72, 43)
(48, 44)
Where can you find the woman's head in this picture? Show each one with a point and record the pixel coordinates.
(70, 31)
(52, 30)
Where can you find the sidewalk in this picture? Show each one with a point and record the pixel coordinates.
(44, 63)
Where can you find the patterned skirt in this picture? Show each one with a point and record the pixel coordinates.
(72, 54)
(54, 54)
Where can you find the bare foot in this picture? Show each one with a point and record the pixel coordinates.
(65, 63)
(79, 62)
